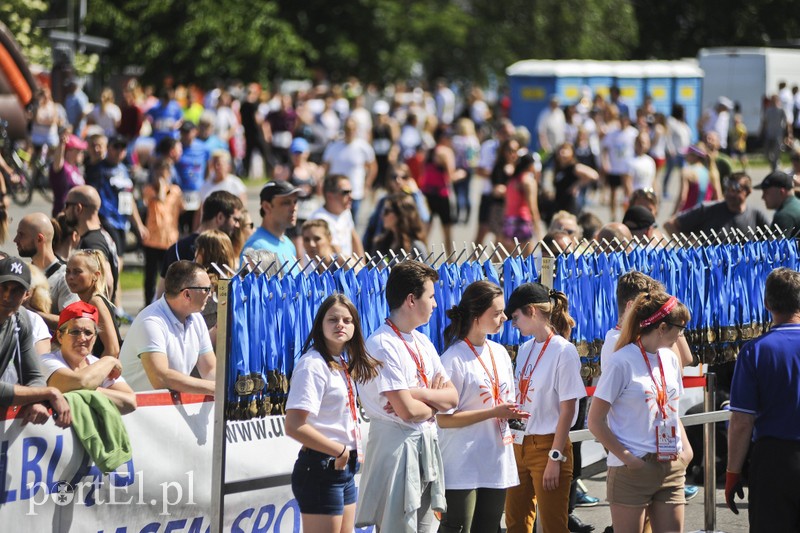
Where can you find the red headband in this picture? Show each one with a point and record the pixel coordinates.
(665, 310)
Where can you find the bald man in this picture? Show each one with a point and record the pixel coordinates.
(615, 230)
(82, 210)
(34, 239)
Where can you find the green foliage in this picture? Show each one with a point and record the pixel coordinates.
(385, 40)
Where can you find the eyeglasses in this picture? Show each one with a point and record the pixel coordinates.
(679, 326)
(346, 192)
(88, 333)
(649, 194)
(205, 290)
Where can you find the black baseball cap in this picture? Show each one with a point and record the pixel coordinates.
(273, 189)
(14, 269)
(776, 179)
(527, 293)
(118, 141)
(638, 217)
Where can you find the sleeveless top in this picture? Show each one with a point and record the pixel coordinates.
(564, 180)
(516, 206)
(99, 347)
(698, 190)
(435, 180)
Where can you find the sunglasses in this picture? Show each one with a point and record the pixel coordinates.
(736, 186)
(77, 332)
(346, 192)
(205, 290)
(679, 326)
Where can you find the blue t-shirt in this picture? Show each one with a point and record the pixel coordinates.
(264, 240)
(766, 383)
(116, 194)
(164, 118)
(191, 166)
(214, 143)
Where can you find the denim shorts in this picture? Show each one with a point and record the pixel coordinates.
(319, 488)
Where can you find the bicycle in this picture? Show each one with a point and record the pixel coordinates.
(18, 181)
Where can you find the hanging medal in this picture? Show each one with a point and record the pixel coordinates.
(494, 383)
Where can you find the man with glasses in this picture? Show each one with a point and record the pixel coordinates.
(168, 345)
(82, 210)
(221, 211)
(778, 193)
(278, 213)
(338, 192)
(730, 213)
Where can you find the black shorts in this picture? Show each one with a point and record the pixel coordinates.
(614, 180)
(485, 208)
(440, 206)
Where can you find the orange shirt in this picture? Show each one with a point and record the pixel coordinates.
(162, 216)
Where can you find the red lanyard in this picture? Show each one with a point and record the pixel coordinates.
(495, 383)
(525, 381)
(661, 393)
(416, 357)
(351, 397)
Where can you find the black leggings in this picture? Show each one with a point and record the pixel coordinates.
(153, 260)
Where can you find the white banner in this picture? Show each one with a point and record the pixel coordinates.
(48, 482)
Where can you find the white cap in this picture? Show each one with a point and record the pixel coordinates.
(381, 107)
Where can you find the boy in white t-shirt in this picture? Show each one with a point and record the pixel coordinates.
(411, 387)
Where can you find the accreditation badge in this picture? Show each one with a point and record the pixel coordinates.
(667, 440)
(518, 427)
(505, 432)
(359, 444)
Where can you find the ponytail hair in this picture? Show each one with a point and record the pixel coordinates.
(560, 318)
(647, 313)
(96, 261)
(477, 298)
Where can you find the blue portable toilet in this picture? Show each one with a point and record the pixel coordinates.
(628, 77)
(531, 83)
(658, 84)
(688, 91)
(599, 78)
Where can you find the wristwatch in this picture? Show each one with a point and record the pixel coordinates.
(556, 455)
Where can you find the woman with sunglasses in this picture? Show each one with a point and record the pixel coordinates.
(549, 385)
(634, 415)
(73, 367)
(402, 226)
(321, 413)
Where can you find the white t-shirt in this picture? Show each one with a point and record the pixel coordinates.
(398, 372)
(488, 156)
(55, 361)
(39, 327)
(322, 392)
(552, 124)
(628, 386)
(350, 160)
(341, 227)
(157, 329)
(642, 170)
(619, 145)
(489, 463)
(557, 378)
(230, 183)
(609, 347)
(679, 136)
(107, 119)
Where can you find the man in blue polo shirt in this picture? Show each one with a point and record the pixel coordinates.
(278, 213)
(765, 405)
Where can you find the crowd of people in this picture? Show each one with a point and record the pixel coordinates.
(468, 433)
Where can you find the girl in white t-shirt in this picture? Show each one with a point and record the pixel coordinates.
(549, 386)
(475, 437)
(634, 415)
(321, 413)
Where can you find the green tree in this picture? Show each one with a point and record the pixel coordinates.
(20, 16)
(199, 40)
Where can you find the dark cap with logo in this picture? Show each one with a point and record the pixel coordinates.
(527, 293)
(776, 179)
(273, 189)
(13, 269)
(638, 217)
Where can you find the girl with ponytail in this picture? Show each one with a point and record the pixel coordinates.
(549, 386)
(634, 415)
(475, 437)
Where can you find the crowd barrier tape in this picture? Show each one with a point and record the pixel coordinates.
(48, 481)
